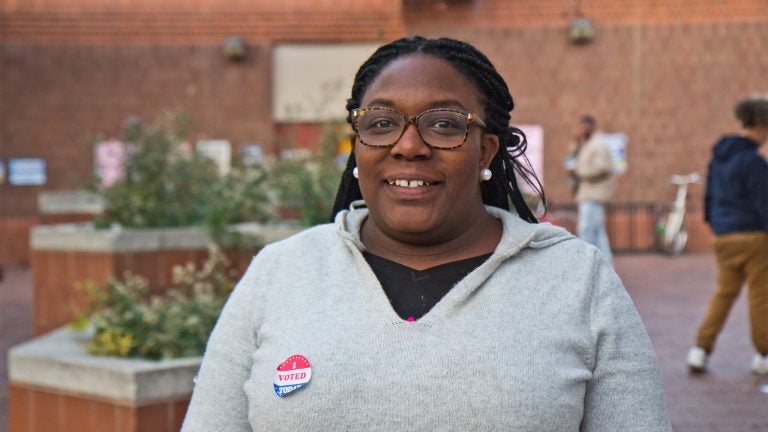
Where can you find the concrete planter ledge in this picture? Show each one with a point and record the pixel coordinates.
(55, 202)
(84, 237)
(58, 361)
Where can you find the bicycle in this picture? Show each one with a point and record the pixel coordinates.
(671, 229)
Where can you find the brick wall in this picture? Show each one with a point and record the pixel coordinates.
(665, 73)
(56, 99)
(669, 87)
(191, 6)
(198, 21)
(536, 13)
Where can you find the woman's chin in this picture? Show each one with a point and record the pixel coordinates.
(415, 231)
(411, 222)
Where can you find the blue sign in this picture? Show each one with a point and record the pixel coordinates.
(26, 172)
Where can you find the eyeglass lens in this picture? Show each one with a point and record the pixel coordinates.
(438, 128)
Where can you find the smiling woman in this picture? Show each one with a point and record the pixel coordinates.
(421, 184)
(429, 303)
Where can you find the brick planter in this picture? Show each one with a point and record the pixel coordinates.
(66, 256)
(55, 385)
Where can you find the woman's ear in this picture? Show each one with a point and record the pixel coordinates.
(488, 149)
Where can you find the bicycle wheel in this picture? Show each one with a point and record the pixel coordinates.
(678, 243)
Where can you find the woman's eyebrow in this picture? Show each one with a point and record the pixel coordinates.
(443, 103)
(447, 103)
(381, 102)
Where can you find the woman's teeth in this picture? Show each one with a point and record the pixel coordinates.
(408, 183)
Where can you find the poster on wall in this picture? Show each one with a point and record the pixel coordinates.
(252, 154)
(109, 162)
(321, 94)
(220, 151)
(617, 144)
(27, 172)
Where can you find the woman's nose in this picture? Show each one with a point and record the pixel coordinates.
(410, 145)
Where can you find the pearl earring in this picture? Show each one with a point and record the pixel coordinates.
(486, 174)
(355, 173)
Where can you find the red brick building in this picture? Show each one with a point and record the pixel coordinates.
(665, 73)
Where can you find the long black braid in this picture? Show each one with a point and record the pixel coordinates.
(508, 163)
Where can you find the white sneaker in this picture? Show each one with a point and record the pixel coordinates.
(697, 359)
(760, 364)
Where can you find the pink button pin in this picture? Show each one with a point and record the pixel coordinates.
(292, 374)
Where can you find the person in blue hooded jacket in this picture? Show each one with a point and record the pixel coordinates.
(736, 208)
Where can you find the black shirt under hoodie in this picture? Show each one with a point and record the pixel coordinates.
(412, 293)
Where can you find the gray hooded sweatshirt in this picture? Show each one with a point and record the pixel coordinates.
(540, 337)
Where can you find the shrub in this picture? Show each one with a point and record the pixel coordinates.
(129, 321)
(165, 186)
(309, 182)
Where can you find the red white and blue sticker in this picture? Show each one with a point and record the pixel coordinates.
(292, 374)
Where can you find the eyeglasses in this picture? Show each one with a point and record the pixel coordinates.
(441, 128)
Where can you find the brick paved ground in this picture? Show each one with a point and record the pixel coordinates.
(671, 295)
(15, 325)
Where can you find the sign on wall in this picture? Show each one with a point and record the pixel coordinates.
(617, 144)
(311, 82)
(252, 154)
(220, 151)
(27, 172)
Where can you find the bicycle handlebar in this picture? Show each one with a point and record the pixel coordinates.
(680, 179)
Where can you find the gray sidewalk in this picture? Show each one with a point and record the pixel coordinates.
(670, 293)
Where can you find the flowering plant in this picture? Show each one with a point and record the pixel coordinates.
(129, 320)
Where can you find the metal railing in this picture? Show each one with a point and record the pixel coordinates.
(631, 226)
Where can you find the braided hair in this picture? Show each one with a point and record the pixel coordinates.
(507, 164)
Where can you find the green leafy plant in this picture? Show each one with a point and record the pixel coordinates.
(130, 320)
(309, 182)
(166, 186)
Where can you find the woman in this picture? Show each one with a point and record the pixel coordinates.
(736, 207)
(434, 308)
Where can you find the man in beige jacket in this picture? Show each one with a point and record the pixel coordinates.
(594, 182)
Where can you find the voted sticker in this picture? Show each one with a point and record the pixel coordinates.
(292, 374)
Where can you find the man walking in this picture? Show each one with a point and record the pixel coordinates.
(594, 183)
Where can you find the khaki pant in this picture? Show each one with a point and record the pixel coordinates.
(740, 257)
